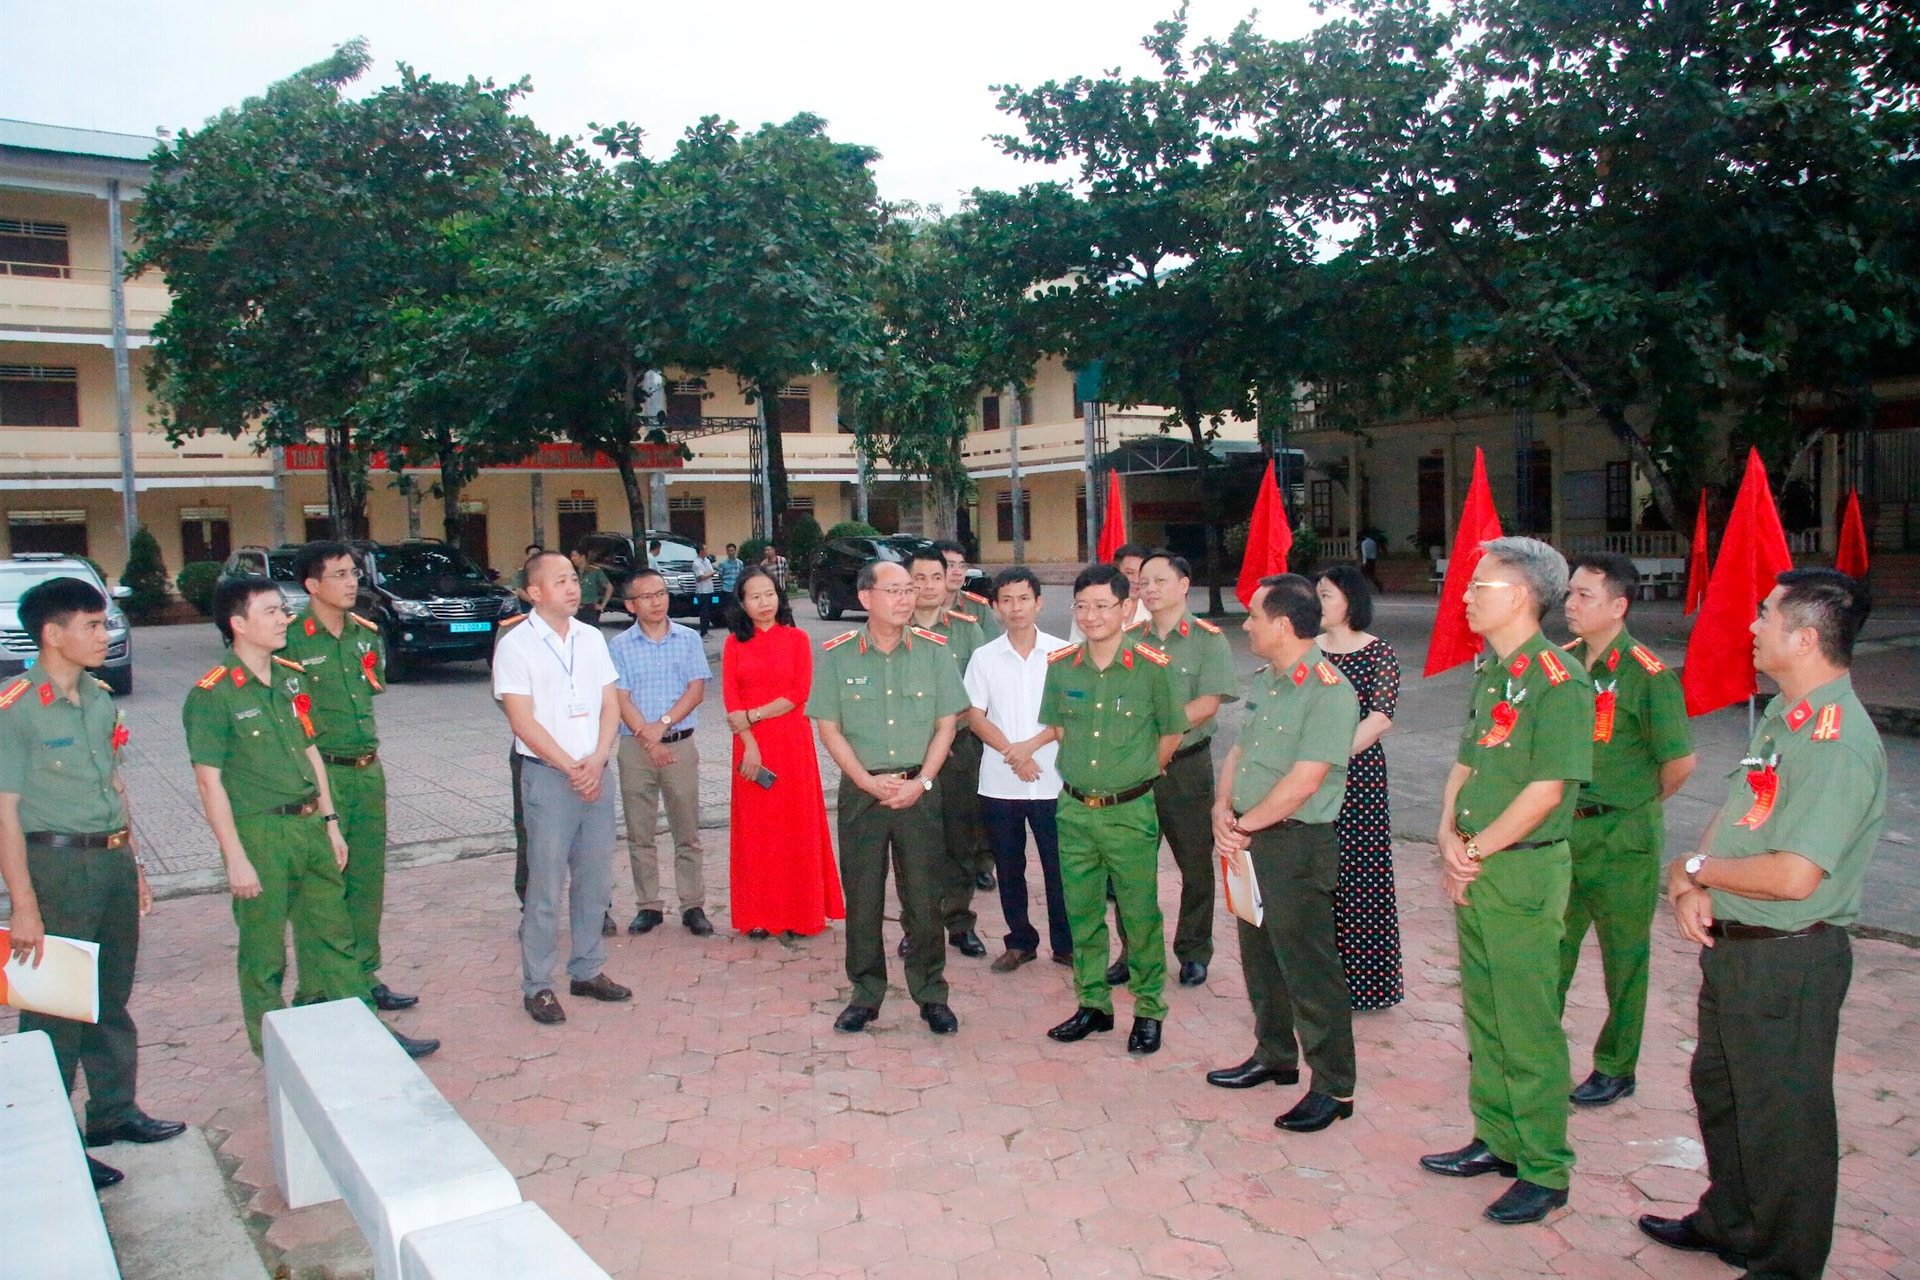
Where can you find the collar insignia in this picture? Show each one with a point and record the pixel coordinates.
(309, 626)
(239, 677)
(1556, 670)
(46, 693)
(1613, 659)
(1799, 716)
(1518, 667)
(1300, 674)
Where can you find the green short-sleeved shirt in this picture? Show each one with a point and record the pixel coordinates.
(59, 758)
(1111, 721)
(251, 732)
(593, 585)
(1829, 807)
(1202, 664)
(981, 609)
(961, 630)
(1647, 726)
(1545, 700)
(343, 675)
(886, 703)
(1306, 712)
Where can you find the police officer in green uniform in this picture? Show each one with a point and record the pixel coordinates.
(968, 602)
(884, 699)
(1505, 817)
(1280, 791)
(1111, 708)
(67, 852)
(1769, 897)
(596, 589)
(1642, 753)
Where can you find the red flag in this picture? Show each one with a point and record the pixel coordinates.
(1452, 642)
(1753, 552)
(1269, 539)
(1853, 539)
(1113, 526)
(1697, 560)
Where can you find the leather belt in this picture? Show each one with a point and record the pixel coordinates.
(1105, 801)
(1281, 825)
(677, 736)
(1734, 931)
(351, 762)
(1192, 750)
(80, 840)
(1592, 810)
(913, 772)
(300, 810)
(1517, 844)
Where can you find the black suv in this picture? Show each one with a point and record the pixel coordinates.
(616, 555)
(836, 570)
(432, 602)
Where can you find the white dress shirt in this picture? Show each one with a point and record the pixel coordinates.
(1008, 688)
(564, 677)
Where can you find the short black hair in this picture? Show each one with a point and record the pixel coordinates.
(54, 602)
(310, 561)
(1177, 563)
(644, 571)
(1126, 549)
(1352, 584)
(928, 551)
(1102, 575)
(1834, 604)
(233, 596)
(1012, 574)
(737, 620)
(731, 546)
(945, 545)
(1292, 597)
(1621, 574)
(534, 549)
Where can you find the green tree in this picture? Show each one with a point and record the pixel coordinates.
(145, 576)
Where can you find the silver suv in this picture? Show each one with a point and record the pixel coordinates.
(17, 648)
(271, 562)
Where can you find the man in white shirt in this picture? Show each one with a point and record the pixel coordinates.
(1019, 788)
(555, 678)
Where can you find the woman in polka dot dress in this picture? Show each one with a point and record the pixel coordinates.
(1365, 911)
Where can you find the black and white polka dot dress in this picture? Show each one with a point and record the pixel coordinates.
(1366, 913)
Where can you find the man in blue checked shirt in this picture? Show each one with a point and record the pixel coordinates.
(663, 676)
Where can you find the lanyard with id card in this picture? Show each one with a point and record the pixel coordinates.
(577, 708)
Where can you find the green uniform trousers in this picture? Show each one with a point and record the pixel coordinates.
(299, 884)
(360, 798)
(1292, 961)
(1183, 801)
(871, 837)
(93, 895)
(1763, 1086)
(1509, 934)
(1616, 887)
(1120, 843)
(967, 854)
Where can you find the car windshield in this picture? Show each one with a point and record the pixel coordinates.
(16, 579)
(280, 568)
(673, 555)
(425, 570)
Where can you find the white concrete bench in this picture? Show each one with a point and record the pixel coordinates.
(50, 1222)
(519, 1242)
(354, 1119)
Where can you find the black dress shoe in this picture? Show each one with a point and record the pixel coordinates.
(967, 943)
(104, 1175)
(387, 1000)
(137, 1127)
(903, 948)
(1252, 1073)
(644, 921)
(1082, 1024)
(1680, 1233)
(543, 1008)
(696, 921)
(1117, 974)
(416, 1048)
(984, 881)
(940, 1019)
(1469, 1161)
(600, 987)
(1525, 1202)
(1314, 1112)
(855, 1017)
(1193, 973)
(758, 935)
(1598, 1089)
(1145, 1037)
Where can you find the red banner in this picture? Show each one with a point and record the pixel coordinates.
(548, 457)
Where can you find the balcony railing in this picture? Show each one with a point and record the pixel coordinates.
(78, 300)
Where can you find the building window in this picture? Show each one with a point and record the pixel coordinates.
(318, 527)
(1535, 489)
(34, 395)
(61, 533)
(1320, 506)
(33, 249)
(1003, 513)
(685, 401)
(206, 533)
(687, 518)
(578, 518)
(989, 413)
(1619, 497)
(794, 412)
(1432, 482)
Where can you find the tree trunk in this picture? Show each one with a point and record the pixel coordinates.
(346, 500)
(1192, 419)
(776, 459)
(636, 496)
(942, 498)
(451, 525)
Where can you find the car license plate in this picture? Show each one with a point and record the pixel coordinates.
(459, 628)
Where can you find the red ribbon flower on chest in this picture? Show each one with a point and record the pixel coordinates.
(1763, 779)
(303, 707)
(1603, 713)
(368, 661)
(1506, 714)
(120, 734)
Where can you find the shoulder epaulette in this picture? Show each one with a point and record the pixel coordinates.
(1064, 651)
(290, 664)
(1135, 626)
(1151, 654)
(102, 683)
(1645, 657)
(964, 617)
(1204, 625)
(977, 599)
(840, 639)
(1571, 645)
(1827, 727)
(1327, 673)
(371, 626)
(925, 634)
(12, 692)
(211, 679)
(1556, 670)
(514, 621)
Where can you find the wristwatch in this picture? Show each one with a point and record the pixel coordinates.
(666, 721)
(1692, 867)
(926, 784)
(1473, 850)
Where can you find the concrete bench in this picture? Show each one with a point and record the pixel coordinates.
(49, 1212)
(353, 1118)
(519, 1242)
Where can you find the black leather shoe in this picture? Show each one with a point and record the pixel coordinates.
(1314, 1112)
(940, 1019)
(104, 1175)
(1525, 1202)
(1599, 1089)
(137, 1127)
(1117, 974)
(600, 987)
(855, 1017)
(1469, 1161)
(1193, 973)
(984, 881)
(1066, 960)
(903, 948)
(696, 921)
(416, 1048)
(1252, 1073)
(645, 922)
(968, 943)
(1082, 1024)
(387, 1000)
(1145, 1037)
(1680, 1233)
(543, 1008)
(758, 935)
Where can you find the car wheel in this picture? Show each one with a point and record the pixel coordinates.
(823, 601)
(118, 679)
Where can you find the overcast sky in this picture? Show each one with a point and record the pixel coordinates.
(908, 78)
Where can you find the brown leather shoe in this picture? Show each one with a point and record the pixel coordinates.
(1010, 960)
(543, 1007)
(600, 987)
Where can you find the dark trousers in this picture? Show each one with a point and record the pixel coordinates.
(1007, 824)
(1763, 1085)
(965, 835)
(1183, 799)
(93, 895)
(519, 825)
(1292, 962)
(872, 837)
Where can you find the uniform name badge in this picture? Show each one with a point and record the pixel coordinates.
(578, 710)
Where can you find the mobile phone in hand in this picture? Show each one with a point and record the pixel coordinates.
(764, 778)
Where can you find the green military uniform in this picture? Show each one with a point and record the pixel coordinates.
(1619, 831)
(886, 704)
(1531, 721)
(1111, 722)
(1295, 979)
(344, 674)
(252, 733)
(594, 584)
(1814, 783)
(967, 854)
(982, 610)
(58, 756)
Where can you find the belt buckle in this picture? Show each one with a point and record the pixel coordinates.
(118, 839)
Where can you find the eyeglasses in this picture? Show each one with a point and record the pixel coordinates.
(1477, 585)
(894, 592)
(1092, 606)
(648, 595)
(343, 575)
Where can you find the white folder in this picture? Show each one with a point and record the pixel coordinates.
(65, 985)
